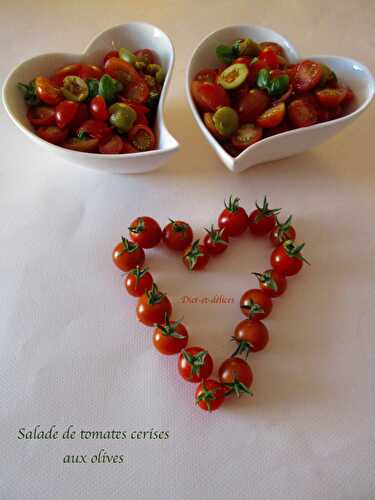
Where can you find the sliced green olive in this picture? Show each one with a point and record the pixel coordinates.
(233, 76)
(226, 121)
(75, 89)
(160, 76)
(123, 118)
(247, 47)
(127, 55)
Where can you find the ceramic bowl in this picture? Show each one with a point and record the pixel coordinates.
(132, 36)
(292, 142)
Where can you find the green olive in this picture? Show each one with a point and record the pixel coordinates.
(233, 76)
(152, 69)
(247, 47)
(150, 80)
(140, 65)
(160, 76)
(226, 121)
(75, 89)
(127, 55)
(116, 106)
(123, 118)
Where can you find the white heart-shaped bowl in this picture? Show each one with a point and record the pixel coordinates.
(292, 142)
(132, 36)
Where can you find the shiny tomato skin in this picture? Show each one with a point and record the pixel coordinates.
(307, 76)
(202, 260)
(209, 96)
(272, 117)
(218, 395)
(65, 113)
(270, 56)
(272, 46)
(213, 247)
(234, 223)
(145, 231)
(258, 297)
(302, 113)
(70, 70)
(206, 75)
(98, 108)
(137, 287)
(109, 55)
(234, 370)
(47, 92)
(259, 224)
(111, 145)
(81, 117)
(169, 345)
(121, 70)
(178, 235)
(276, 239)
(331, 98)
(279, 280)
(137, 91)
(284, 263)
(251, 104)
(52, 134)
(95, 129)
(185, 368)
(125, 260)
(90, 71)
(41, 115)
(151, 314)
(253, 332)
(83, 145)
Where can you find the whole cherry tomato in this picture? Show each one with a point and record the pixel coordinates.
(263, 219)
(170, 337)
(98, 108)
(127, 255)
(65, 113)
(236, 376)
(255, 304)
(196, 257)
(153, 307)
(52, 134)
(272, 282)
(177, 235)
(209, 96)
(251, 104)
(209, 395)
(233, 218)
(216, 241)
(282, 231)
(251, 336)
(47, 92)
(41, 115)
(195, 364)
(287, 258)
(145, 231)
(138, 281)
(307, 76)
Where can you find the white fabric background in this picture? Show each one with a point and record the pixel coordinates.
(71, 351)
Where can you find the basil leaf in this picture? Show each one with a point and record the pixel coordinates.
(29, 93)
(263, 80)
(83, 136)
(93, 86)
(225, 54)
(278, 85)
(236, 48)
(109, 88)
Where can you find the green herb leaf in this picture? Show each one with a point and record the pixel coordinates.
(226, 54)
(278, 85)
(109, 88)
(93, 86)
(264, 79)
(29, 93)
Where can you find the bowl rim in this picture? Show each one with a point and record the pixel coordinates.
(266, 140)
(140, 154)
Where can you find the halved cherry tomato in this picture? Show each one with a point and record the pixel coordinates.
(255, 304)
(233, 219)
(145, 231)
(272, 117)
(81, 117)
(250, 105)
(83, 145)
(206, 75)
(146, 55)
(138, 108)
(137, 91)
(195, 364)
(142, 137)
(128, 148)
(170, 337)
(111, 145)
(269, 55)
(291, 70)
(138, 281)
(273, 46)
(250, 335)
(331, 98)
(208, 121)
(246, 135)
(283, 127)
(58, 77)
(153, 307)
(41, 115)
(52, 134)
(349, 96)
(98, 108)
(65, 113)
(177, 235)
(47, 92)
(272, 282)
(128, 255)
(109, 55)
(302, 113)
(308, 75)
(196, 257)
(209, 96)
(121, 70)
(95, 129)
(209, 395)
(90, 71)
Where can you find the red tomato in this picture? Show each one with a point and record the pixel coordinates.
(90, 71)
(272, 282)
(137, 91)
(47, 92)
(273, 46)
(250, 105)
(195, 364)
(331, 98)
(138, 108)
(255, 304)
(208, 121)
(216, 241)
(348, 97)
(142, 137)
(128, 148)
(111, 145)
(98, 108)
(282, 231)
(153, 307)
(251, 336)
(95, 129)
(196, 257)
(109, 55)
(243, 60)
(284, 97)
(233, 218)
(52, 134)
(246, 135)
(206, 75)
(291, 70)
(287, 258)
(301, 113)
(283, 127)
(138, 281)
(263, 219)
(145, 231)
(236, 376)
(121, 70)
(177, 235)
(269, 55)
(272, 117)
(65, 113)
(254, 68)
(307, 76)
(147, 55)
(41, 115)
(83, 145)
(141, 120)
(335, 113)
(209, 395)
(127, 255)
(170, 337)
(71, 70)
(209, 96)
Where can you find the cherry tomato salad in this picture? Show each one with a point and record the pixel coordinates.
(257, 92)
(155, 310)
(108, 109)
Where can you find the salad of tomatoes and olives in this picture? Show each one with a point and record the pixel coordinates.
(109, 109)
(257, 92)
